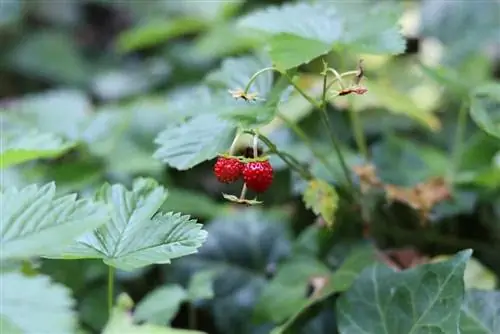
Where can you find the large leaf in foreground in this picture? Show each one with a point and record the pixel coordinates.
(33, 305)
(485, 108)
(137, 235)
(18, 147)
(242, 248)
(199, 139)
(423, 299)
(34, 220)
(480, 312)
(296, 39)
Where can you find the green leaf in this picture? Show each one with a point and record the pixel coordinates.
(191, 202)
(18, 147)
(121, 321)
(199, 139)
(35, 221)
(161, 305)
(201, 285)
(241, 263)
(480, 312)
(425, 298)
(485, 108)
(295, 39)
(137, 235)
(287, 292)
(156, 32)
(322, 198)
(33, 305)
(235, 73)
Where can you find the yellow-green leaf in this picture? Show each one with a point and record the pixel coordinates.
(322, 199)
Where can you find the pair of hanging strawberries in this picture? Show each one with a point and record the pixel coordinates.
(257, 173)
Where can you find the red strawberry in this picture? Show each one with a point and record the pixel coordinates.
(258, 175)
(228, 169)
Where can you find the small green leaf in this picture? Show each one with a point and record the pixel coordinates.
(34, 305)
(425, 298)
(18, 147)
(199, 139)
(156, 32)
(485, 108)
(323, 199)
(480, 312)
(201, 285)
(122, 321)
(35, 221)
(161, 305)
(137, 235)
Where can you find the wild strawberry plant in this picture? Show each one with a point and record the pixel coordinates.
(314, 152)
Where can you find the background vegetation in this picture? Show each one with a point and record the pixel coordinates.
(134, 94)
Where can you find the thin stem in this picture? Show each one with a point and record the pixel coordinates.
(243, 191)
(305, 139)
(359, 134)
(111, 281)
(326, 122)
(345, 74)
(255, 146)
(254, 77)
(458, 142)
(235, 141)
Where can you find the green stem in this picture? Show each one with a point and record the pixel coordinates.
(458, 142)
(335, 143)
(254, 77)
(243, 193)
(305, 139)
(338, 77)
(111, 281)
(287, 158)
(359, 134)
(301, 92)
(235, 142)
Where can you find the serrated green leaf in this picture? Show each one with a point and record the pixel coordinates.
(485, 108)
(480, 312)
(295, 39)
(18, 147)
(137, 235)
(35, 221)
(161, 305)
(121, 322)
(201, 285)
(426, 298)
(235, 73)
(33, 305)
(287, 292)
(199, 139)
(156, 32)
(322, 199)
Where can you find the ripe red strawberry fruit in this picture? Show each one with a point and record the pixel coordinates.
(228, 169)
(258, 175)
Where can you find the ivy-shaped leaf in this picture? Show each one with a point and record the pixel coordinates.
(426, 298)
(199, 139)
(35, 221)
(485, 108)
(137, 235)
(322, 198)
(296, 39)
(21, 146)
(480, 312)
(33, 305)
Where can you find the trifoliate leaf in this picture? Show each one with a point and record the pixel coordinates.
(137, 235)
(199, 139)
(122, 321)
(322, 198)
(485, 108)
(425, 298)
(235, 73)
(480, 312)
(35, 221)
(34, 305)
(161, 305)
(18, 147)
(296, 39)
